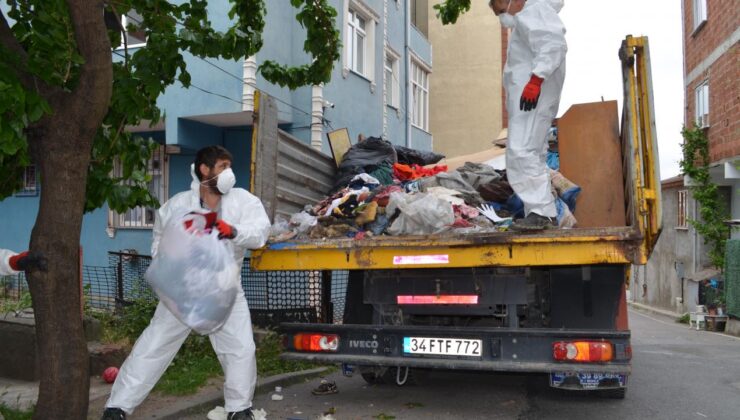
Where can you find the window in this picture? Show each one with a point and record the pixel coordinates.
(702, 104)
(141, 217)
(359, 40)
(356, 42)
(29, 182)
(134, 34)
(683, 210)
(700, 12)
(420, 96)
(392, 88)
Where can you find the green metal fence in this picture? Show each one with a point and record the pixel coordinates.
(732, 277)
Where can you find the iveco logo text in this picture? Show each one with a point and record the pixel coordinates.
(362, 344)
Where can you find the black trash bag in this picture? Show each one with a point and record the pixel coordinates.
(364, 157)
(411, 156)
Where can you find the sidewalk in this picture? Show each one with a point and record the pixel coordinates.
(23, 395)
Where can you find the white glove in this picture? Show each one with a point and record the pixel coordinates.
(490, 213)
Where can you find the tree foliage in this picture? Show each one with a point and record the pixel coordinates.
(48, 56)
(712, 213)
(449, 11)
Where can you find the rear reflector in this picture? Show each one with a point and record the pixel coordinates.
(583, 351)
(437, 300)
(316, 342)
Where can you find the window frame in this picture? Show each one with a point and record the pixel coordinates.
(358, 9)
(124, 19)
(419, 79)
(699, 12)
(394, 99)
(138, 215)
(701, 104)
(682, 215)
(354, 30)
(29, 188)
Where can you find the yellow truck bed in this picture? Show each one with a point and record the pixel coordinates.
(287, 175)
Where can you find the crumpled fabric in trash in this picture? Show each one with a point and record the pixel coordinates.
(379, 225)
(367, 213)
(498, 191)
(411, 172)
(420, 214)
(363, 180)
(477, 174)
(465, 211)
(446, 194)
(384, 174)
(454, 181)
(383, 194)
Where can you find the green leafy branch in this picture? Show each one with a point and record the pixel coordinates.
(712, 212)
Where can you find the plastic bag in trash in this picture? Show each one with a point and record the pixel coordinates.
(303, 222)
(365, 156)
(420, 214)
(195, 276)
(412, 156)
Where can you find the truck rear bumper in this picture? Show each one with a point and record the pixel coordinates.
(502, 349)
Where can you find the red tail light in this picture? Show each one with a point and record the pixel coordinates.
(437, 300)
(583, 351)
(316, 342)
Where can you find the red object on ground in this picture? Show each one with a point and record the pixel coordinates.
(109, 374)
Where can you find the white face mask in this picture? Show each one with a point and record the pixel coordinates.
(225, 182)
(507, 20)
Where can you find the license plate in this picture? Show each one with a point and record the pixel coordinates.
(587, 380)
(442, 346)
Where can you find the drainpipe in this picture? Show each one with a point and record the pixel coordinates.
(250, 81)
(317, 115)
(407, 65)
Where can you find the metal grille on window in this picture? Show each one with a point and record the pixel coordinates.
(29, 181)
(682, 209)
(143, 217)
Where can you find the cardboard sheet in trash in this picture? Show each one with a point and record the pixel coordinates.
(479, 157)
(591, 156)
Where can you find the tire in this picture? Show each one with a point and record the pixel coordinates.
(614, 393)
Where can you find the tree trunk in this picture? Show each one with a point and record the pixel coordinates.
(61, 145)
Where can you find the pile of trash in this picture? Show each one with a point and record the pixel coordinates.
(382, 189)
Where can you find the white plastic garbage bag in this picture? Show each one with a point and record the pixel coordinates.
(195, 276)
(421, 214)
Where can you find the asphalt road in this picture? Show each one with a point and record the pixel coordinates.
(677, 374)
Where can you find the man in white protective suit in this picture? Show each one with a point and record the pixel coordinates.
(533, 79)
(13, 263)
(242, 220)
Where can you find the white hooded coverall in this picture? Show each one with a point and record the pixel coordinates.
(536, 46)
(5, 269)
(233, 343)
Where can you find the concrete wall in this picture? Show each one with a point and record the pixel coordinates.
(466, 107)
(657, 284)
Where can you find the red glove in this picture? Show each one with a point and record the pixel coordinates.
(531, 94)
(210, 220)
(25, 261)
(225, 230)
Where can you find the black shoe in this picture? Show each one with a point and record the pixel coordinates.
(240, 415)
(534, 222)
(113, 414)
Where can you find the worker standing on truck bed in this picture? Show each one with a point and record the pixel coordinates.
(533, 79)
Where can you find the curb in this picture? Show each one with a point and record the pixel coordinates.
(213, 398)
(653, 310)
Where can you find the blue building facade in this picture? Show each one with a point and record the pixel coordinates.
(379, 87)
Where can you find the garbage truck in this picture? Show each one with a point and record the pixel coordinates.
(552, 302)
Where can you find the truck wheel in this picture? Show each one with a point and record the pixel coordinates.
(614, 393)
